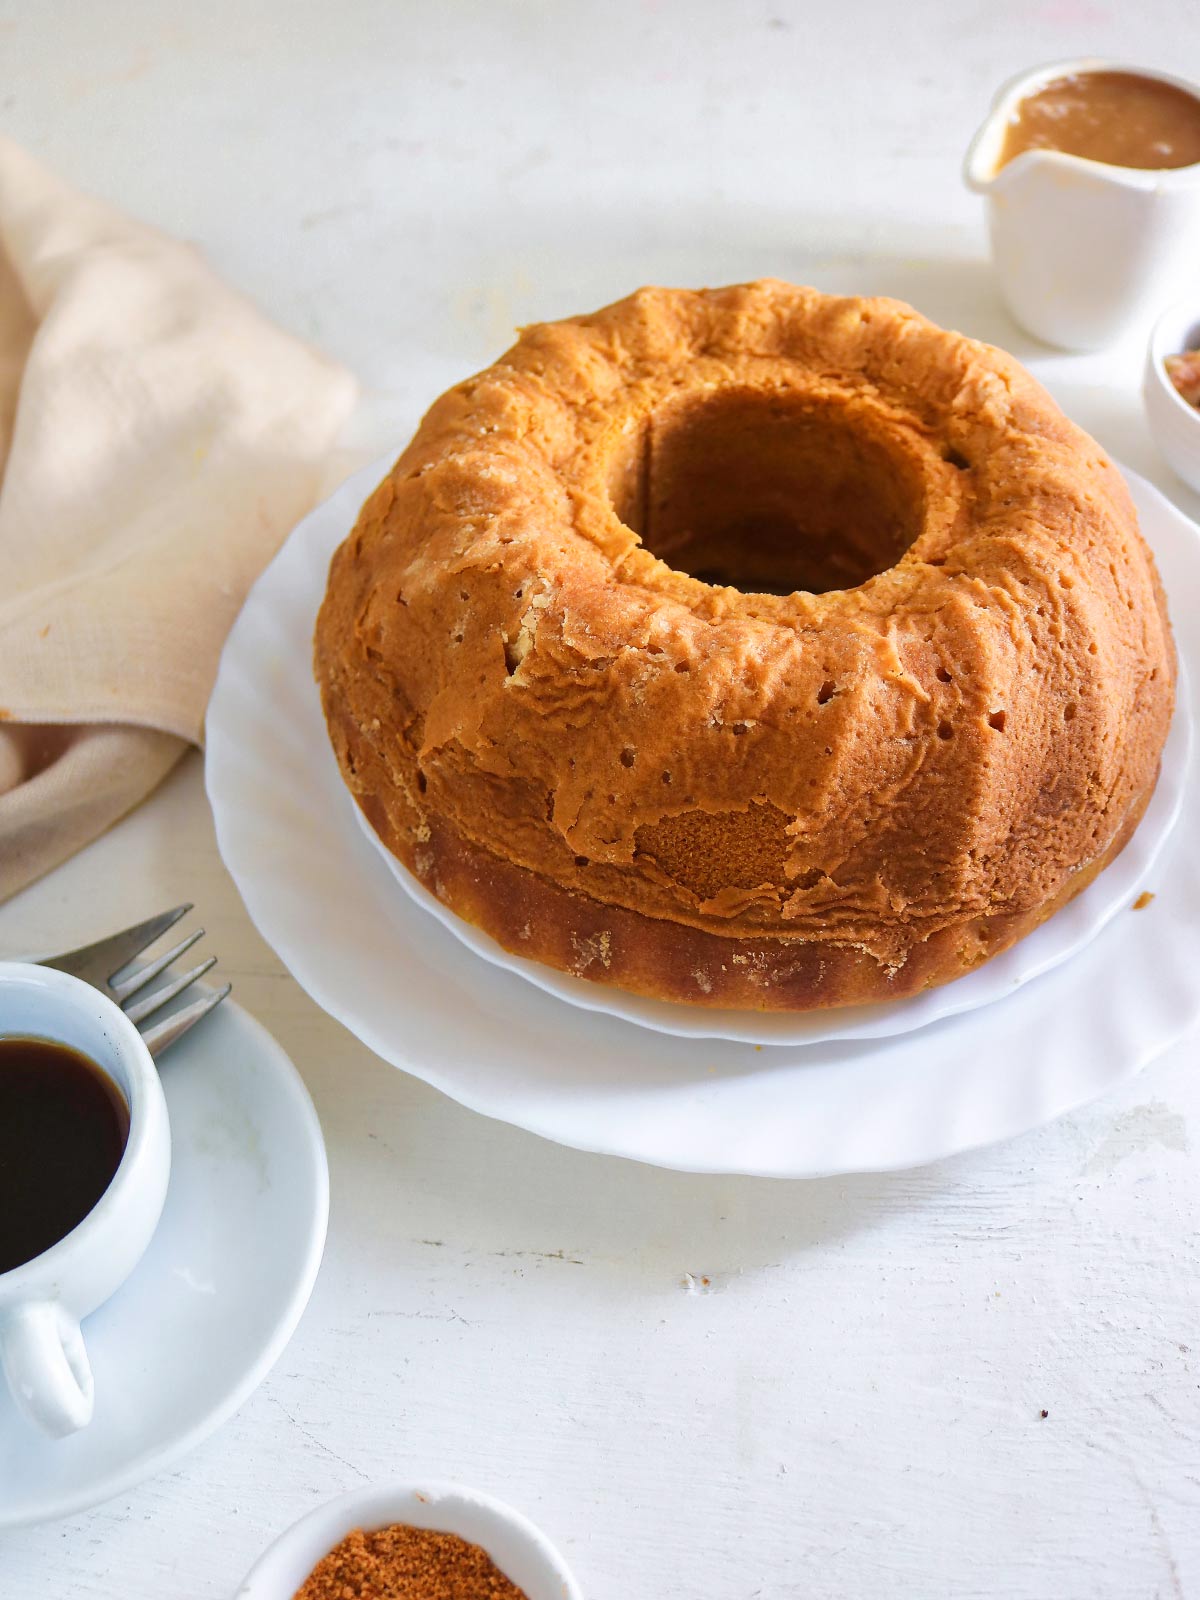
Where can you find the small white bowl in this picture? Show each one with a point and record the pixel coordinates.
(524, 1555)
(1174, 424)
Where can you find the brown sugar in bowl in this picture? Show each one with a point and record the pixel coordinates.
(749, 647)
(520, 1552)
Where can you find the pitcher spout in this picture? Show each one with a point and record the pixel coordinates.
(983, 169)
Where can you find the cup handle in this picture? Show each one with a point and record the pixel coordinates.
(41, 1349)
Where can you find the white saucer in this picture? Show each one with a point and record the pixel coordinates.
(219, 1292)
(374, 959)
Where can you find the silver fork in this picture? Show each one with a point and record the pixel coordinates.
(108, 966)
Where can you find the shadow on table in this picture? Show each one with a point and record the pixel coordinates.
(539, 267)
(412, 1172)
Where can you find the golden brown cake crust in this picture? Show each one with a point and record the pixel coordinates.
(720, 794)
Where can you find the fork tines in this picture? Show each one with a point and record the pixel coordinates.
(108, 965)
(178, 1023)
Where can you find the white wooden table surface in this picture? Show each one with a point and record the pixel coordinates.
(854, 1408)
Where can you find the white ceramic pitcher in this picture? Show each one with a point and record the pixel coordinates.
(1083, 250)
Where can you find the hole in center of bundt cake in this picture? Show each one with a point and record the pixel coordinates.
(768, 492)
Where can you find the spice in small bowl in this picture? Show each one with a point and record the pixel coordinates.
(1172, 405)
(415, 1541)
(1184, 372)
(401, 1562)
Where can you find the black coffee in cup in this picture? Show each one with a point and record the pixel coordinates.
(63, 1127)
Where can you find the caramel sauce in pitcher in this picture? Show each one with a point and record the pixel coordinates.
(1120, 118)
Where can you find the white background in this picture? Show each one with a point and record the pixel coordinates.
(853, 1407)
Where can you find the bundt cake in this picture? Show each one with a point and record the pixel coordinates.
(749, 647)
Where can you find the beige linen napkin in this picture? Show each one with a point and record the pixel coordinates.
(158, 438)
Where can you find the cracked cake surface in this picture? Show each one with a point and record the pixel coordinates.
(749, 647)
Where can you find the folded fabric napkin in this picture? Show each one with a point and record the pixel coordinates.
(158, 438)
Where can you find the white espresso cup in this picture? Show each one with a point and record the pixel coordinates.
(43, 1301)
